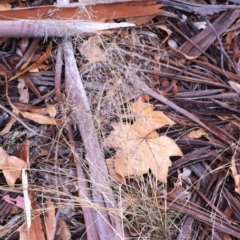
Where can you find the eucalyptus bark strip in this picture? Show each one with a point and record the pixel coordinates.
(108, 225)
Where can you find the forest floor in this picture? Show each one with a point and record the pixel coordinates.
(119, 120)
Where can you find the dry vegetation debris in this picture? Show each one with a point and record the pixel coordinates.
(119, 119)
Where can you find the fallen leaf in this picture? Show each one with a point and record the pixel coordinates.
(91, 50)
(50, 219)
(23, 91)
(110, 162)
(148, 120)
(136, 155)
(194, 134)
(38, 118)
(51, 110)
(62, 232)
(236, 175)
(11, 167)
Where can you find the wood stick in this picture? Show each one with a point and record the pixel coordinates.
(108, 225)
(54, 28)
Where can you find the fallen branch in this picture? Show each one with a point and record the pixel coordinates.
(108, 226)
(54, 28)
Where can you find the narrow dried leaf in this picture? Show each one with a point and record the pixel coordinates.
(236, 176)
(51, 110)
(91, 50)
(50, 219)
(62, 232)
(41, 119)
(11, 167)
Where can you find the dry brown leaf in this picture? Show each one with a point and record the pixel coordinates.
(50, 219)
(5, 6)
(62, 232)
(194, 134)
(11, 167)
(91, 50)
(51, 110)
(236, 175)
(148, 120)
(23, 91)
(136, 155)
(39, 110)
(110, 162)
(41, 119)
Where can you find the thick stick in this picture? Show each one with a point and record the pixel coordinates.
(83, 188)
(108, 226)
(54, 28)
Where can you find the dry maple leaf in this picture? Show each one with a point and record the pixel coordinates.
(11, 167)
(136, 155)
(148, 120)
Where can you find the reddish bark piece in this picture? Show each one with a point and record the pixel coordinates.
(97, 12)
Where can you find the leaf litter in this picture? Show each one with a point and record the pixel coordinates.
(148, 142)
